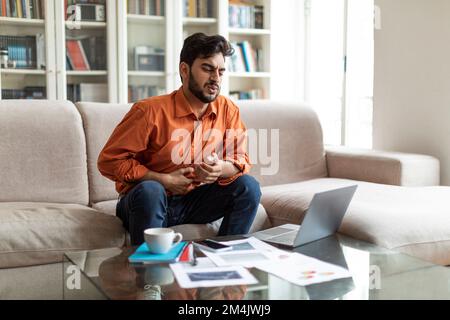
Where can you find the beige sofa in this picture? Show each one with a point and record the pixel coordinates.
(53, 199)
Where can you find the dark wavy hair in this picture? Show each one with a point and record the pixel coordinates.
(203, 46)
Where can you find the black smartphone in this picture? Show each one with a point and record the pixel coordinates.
(211, 245)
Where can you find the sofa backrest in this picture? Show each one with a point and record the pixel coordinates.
(42, 152)
(301, 152)
(299, 145)
(100, 120)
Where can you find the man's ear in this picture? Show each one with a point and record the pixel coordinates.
(184, 70)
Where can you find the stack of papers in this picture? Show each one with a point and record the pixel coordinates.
(228, 267)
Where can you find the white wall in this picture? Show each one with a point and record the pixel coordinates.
(412, 79)
(287, 56)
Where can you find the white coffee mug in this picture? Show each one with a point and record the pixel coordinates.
(161, 240)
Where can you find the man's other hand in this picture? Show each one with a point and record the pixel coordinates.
(177, 182)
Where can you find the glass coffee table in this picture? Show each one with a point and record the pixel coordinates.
(377, 273)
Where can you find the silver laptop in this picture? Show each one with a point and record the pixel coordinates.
(322, 219)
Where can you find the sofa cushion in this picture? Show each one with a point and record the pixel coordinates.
(296, 155)
(195, 231)
(107, 207)
(43, 152)
(413, 220)
(35, 233)
(99, 120)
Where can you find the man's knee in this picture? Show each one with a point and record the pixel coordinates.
(250, 186)
(148, 191)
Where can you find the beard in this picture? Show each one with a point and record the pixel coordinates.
(197, 91)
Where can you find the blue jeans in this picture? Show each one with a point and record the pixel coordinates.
(148, 206)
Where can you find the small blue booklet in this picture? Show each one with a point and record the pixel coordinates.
(142, 254)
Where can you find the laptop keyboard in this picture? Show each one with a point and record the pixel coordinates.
(288, 237)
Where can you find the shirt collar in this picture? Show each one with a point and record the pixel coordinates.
(183, 107)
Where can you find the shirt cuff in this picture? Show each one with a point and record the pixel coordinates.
(242, 167)
(136, 173)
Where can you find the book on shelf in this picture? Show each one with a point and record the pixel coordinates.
(136, 93)
(86, 53)
(25, 93)
(25, 9)
(146, 7)
(247, 95)
(28, 52)
(92, 92)
(95, 50)
(236, 61)
(245, 14)
(143, 255)
(76, 55)
(199, 8)
(245, 58)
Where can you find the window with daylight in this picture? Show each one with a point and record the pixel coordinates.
(340, 55)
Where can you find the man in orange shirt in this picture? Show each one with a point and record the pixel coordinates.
(181, 158)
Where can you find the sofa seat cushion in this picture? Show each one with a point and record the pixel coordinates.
(34, 233)
(107, 207)
(413, 220)
(195, 231)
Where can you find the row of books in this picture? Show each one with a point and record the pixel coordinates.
(248, 95)
(246, 58)
(28, 9)
(25, 93)
(198, 8)
(92, 92)
(136, 93)
(146, 7)
(244, 15)
(28, 52)
(86, 53)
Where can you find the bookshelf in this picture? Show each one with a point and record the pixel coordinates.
(130, 30)
(86, 51)
(25, 34)
(142, 60)
(249, 34)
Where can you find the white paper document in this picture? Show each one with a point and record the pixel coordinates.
(206, 274)
(303, 270)
(247, 253)
(291, 266)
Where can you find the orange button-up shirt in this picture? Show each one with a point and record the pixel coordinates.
(163, 134)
